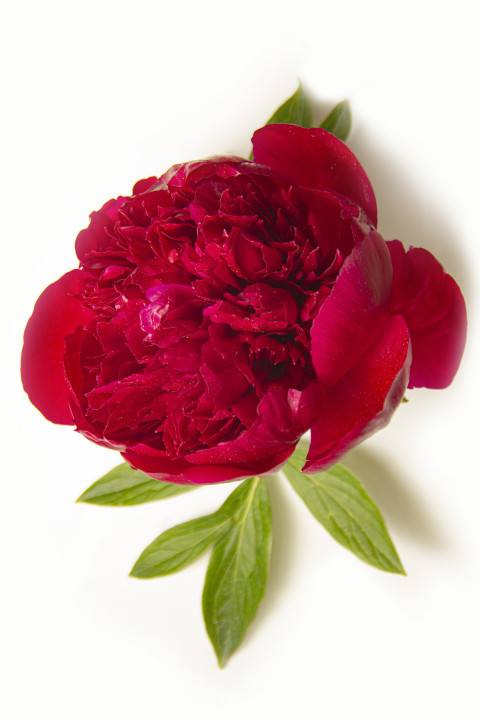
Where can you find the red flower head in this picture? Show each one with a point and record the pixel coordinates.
(229, 306)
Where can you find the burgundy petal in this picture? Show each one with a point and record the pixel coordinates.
(270, 440)
(364, 400)
(94, 237)
(159, 466)
(58, 312)
(434, 310)
(314, 158)
(142, 186)
(262, 449)
(355, 312)
(229, 306)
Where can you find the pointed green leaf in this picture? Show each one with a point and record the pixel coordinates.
(125, 486)
(237, 573)
(338, 122)
(339, 501)
(181, 545)
(297, 110)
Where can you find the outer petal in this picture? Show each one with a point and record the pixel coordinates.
(157, 465)
(283, 418)
(434, 310)
(315, 158)
(58, 311)
(355, 312)
(364, 400)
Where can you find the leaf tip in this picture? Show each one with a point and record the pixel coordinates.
(222, 657)
(397, 568)
(136, 572)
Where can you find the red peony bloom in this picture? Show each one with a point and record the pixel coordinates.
(229, 306)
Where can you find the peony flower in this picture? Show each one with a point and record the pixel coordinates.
(229, 306)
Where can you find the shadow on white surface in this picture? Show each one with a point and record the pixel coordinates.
(403, 509)
(284, 545)
(408, 211)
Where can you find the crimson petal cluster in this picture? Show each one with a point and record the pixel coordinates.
(227, 307)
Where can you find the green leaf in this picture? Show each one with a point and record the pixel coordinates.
(181, 545)
(125, 486)
(339, 501)
(297, 110)
(338, 122)
(237, 573)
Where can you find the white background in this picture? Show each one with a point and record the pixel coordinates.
(98, 94)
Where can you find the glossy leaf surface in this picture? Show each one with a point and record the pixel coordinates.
(337, 499)
(180, 546)
(125, 486)
(237, 573)
(297, 110)
(339, 120)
